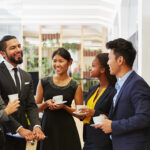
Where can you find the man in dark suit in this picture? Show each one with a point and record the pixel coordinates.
(129, 118)
(15, 80)
(4, 112)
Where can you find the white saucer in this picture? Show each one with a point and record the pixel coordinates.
(93, 125)
(78, 113)
(59, 102)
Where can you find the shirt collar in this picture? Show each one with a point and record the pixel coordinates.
(122, 80)
(9, 66)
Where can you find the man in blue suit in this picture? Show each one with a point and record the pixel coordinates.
(129, 118)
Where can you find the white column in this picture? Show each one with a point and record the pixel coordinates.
(81, 53)
(144, 39)
(40, 51)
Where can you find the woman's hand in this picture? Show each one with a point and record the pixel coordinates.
(49, 103)
(58, 106)
(53, 106)
(88, 112)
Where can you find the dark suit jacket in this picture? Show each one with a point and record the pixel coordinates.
(131, 115)
(27, 101)
(102, 106)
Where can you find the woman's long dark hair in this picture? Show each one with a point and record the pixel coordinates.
(103, 59)
(63, 53)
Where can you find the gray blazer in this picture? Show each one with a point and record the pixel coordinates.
(3, 115)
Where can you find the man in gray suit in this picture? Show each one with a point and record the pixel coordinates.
(4, 112)
(15, 80)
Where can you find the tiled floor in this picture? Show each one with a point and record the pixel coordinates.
(79, 126)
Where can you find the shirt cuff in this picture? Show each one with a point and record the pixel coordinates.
(19, 128)
(36, 126)
(33, 127)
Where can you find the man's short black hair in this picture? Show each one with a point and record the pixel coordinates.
(4, 40)
(122, 47)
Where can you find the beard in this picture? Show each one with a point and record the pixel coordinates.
(13, 60)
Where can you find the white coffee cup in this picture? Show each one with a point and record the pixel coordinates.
(98, 119)
(80, 107)
(13, 97)
(58, 98)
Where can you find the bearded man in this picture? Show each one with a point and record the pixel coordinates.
(15, 80)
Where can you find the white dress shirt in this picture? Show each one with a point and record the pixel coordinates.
(11, 71)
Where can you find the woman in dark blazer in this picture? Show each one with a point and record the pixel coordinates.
(98, 101)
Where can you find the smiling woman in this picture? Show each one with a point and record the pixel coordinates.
(61, 64)
(57, 122)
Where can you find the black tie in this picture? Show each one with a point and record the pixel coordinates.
(17, 79)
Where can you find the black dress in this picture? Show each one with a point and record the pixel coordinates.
(59, 125)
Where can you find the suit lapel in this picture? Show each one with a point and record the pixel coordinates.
(102, 97)
(122, 89)
(9, 77)
(91, 93)
(22, 81)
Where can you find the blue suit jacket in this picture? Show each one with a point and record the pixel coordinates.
(131, 115)
(102, 106)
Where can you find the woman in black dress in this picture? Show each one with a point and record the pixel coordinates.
(57, 121)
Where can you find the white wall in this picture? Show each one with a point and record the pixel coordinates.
(10, 28)
(9, 24)
(132, 21)
(10, 19)
(125, 22)
(144, 39)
